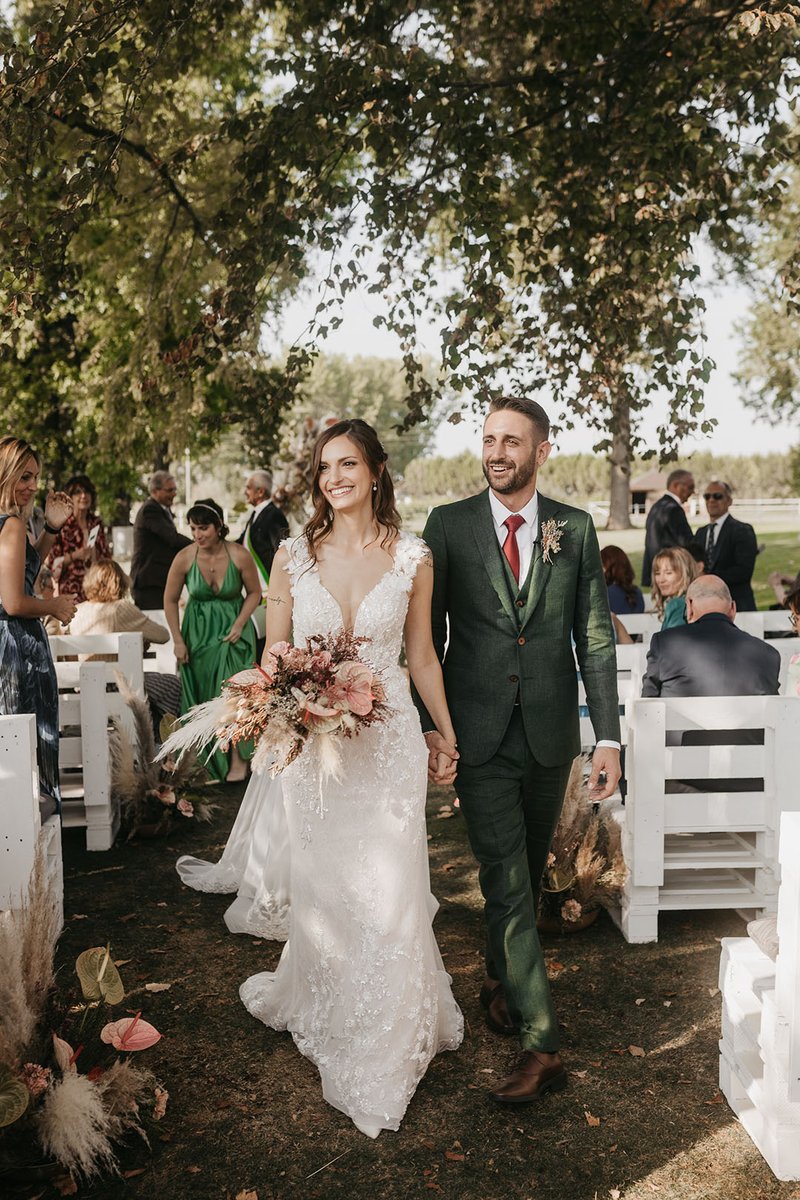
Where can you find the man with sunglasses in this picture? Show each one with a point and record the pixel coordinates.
(730, 545)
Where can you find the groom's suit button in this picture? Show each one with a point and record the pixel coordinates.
(520, 603)
(513, 679)
(521, 641)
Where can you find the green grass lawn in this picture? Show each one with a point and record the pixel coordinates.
(781, 553)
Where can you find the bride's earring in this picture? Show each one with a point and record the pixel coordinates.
(374, 488)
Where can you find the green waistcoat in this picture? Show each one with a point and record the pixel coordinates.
(503, 644)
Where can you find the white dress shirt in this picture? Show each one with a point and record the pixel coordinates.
(526, 537)
(526, 534)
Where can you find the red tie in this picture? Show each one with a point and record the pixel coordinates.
(510, 547)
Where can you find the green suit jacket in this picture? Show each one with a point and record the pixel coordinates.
(503, 645)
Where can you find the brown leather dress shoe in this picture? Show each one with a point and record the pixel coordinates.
(498, 1018)
(534, 1075)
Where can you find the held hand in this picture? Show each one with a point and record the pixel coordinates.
(446, 769)
(438, 746)
(64, 608)
(58, 506)
(181, 653)
(605, 761)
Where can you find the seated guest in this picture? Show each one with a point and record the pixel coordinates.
(108, 609)
(710, 656)
(623, 594)
(673, 571)
(80, 541)
(730, 545)
(782, 585)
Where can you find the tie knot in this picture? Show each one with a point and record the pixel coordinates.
(513, 522)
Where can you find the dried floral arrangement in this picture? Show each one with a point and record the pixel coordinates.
(63, 1105)
(152, 796)
(585, 869)
(323, 688)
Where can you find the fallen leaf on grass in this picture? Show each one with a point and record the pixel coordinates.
(667, 1004)
(65, 1185)
(128, 917)
(133, 1173)
(194, 1170)
(161, 904)
(636, 1051)
(122, 962)
(454, 1156)
(157, 987)
(614, 1193)
(449, 866)
(592, 1063)
(247, 1195)
(716, 1100)
(640, 1001)
(713, 991)
(162, 1096)
(590, 1120)
(444, 812)
(428, 1143)
(79, 917)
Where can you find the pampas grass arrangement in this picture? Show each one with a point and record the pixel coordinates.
(585, 869)
(149, 794)
(70, 1105)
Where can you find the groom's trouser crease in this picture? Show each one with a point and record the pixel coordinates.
(511, 805)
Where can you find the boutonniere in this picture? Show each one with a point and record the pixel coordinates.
(551, 538)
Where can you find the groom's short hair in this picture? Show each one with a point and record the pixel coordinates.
(529, 408)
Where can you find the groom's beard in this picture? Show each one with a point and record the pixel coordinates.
(512, 480)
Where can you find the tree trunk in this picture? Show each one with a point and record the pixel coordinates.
(161, 456)
(619, 508)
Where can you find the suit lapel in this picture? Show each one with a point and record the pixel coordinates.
(483, 531)
(540, 570)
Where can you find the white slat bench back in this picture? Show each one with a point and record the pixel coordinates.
(21, 829)
(86, 705)
(705, 849)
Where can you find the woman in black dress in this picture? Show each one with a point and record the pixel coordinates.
(28, 678)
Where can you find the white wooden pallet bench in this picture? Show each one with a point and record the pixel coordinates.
(87, 700)
(759, 1065)
(630, 668)
(21, 829)
(691, 836)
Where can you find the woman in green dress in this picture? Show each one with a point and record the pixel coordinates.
(217, 637)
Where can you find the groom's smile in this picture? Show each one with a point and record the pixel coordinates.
(511, 454)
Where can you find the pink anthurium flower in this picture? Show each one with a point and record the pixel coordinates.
(130, 1034)
(353, 687)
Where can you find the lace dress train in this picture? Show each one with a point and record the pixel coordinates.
(255, 864)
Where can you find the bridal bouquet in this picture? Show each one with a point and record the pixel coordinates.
(324, 688)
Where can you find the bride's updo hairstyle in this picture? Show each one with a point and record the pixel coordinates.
(383, 504)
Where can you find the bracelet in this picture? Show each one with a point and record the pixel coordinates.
(48, 528)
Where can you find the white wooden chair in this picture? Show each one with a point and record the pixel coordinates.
(87, 701)
(759, 1065)
(630, 668)
(160, 656)
(765, 624)
(642, 625)
(21, 829)
(701, 849)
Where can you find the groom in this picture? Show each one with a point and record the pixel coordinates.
(517, 577)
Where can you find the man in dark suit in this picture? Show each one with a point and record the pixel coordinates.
(666, 522)
(730, 546)
(265, 530)
(517, 577)
(710, 656)
(156, 541)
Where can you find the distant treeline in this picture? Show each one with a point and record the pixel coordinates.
(585, 476)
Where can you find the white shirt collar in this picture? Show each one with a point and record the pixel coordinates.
(259, 508)
(530, 513)
(674, 497)
(720, 521)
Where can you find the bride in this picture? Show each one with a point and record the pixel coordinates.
(360, 983)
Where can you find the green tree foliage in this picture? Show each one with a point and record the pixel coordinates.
(560, 160)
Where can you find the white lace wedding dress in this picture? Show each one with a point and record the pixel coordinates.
(255, 864)
(360, 983)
